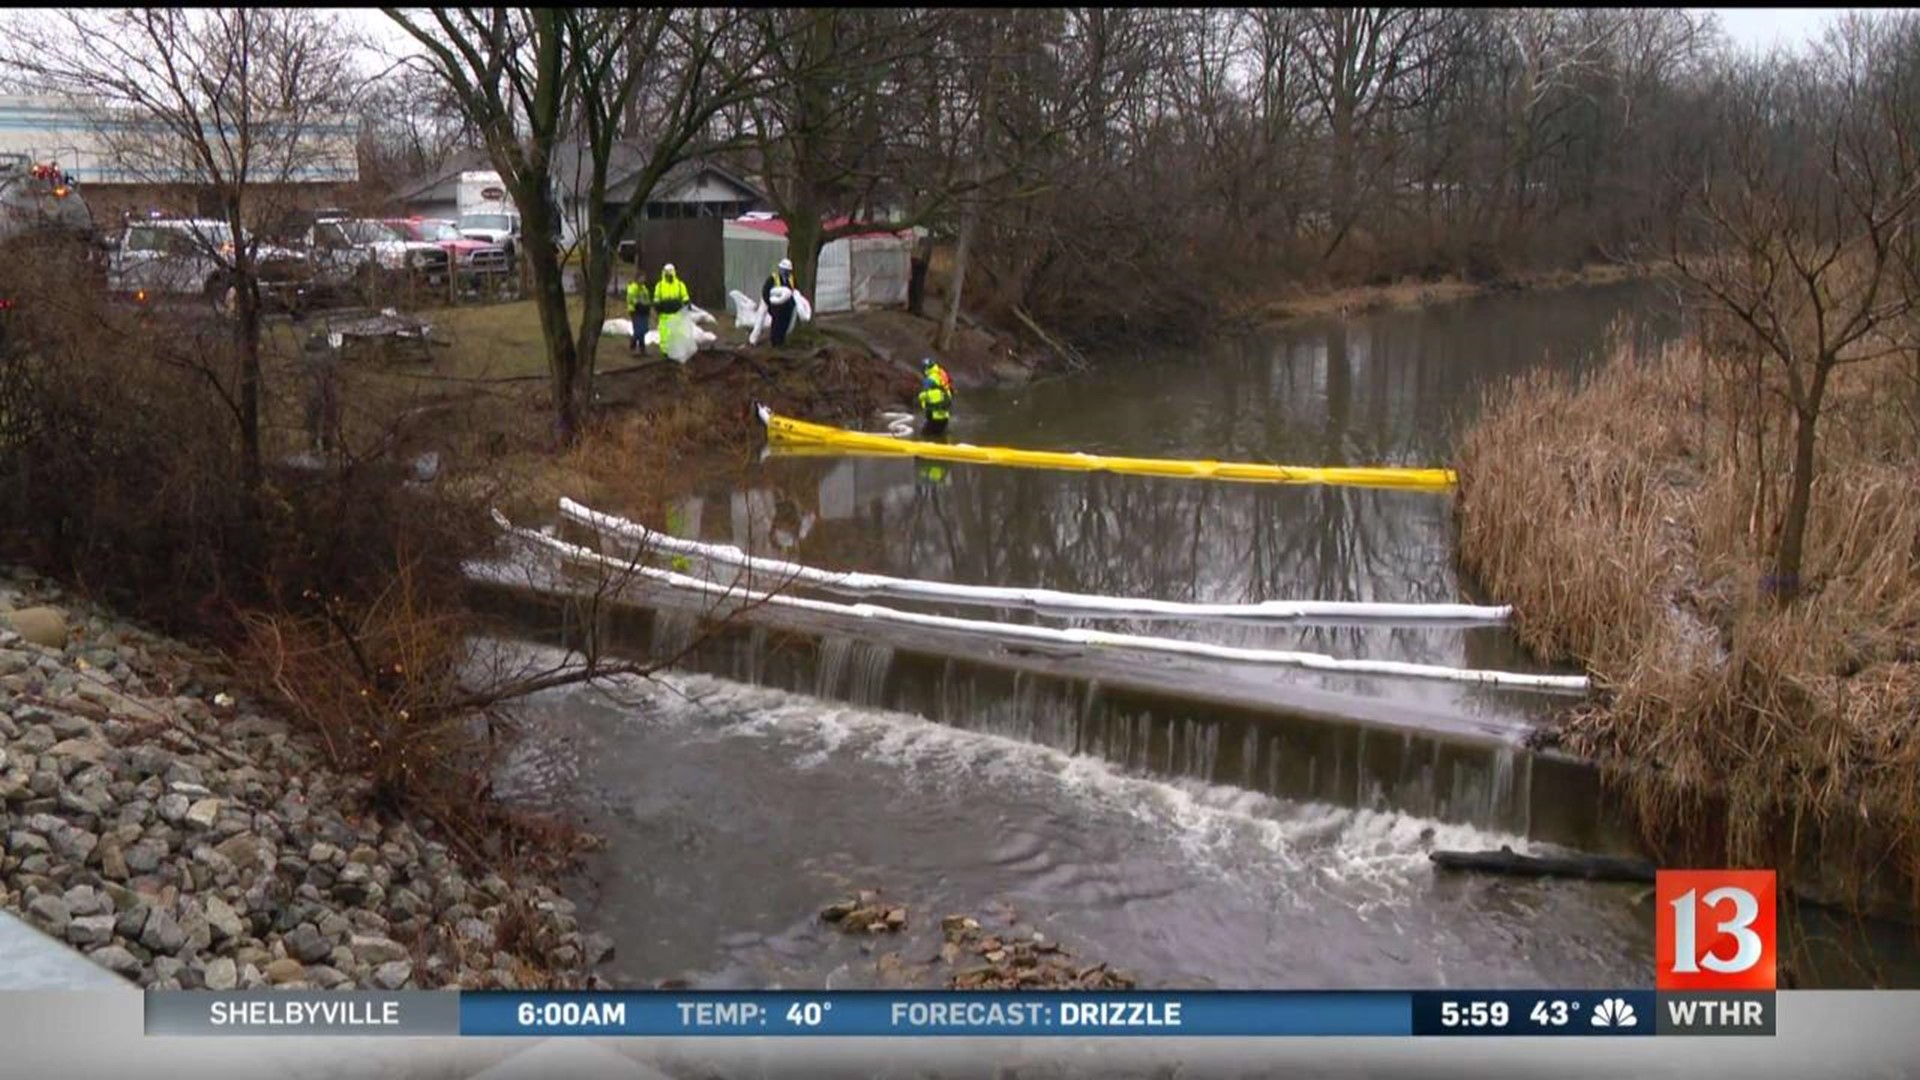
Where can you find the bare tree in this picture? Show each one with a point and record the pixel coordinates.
(233, 106)
(527, 78)
(1795, 230)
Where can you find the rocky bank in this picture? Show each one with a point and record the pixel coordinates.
(182, 839)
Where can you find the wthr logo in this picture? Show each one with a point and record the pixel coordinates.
(1714, 929)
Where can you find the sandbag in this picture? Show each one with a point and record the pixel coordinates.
(746, 310)
(761, 328)
(681, 337)
(700, 314)
(802, 310)
(617, 328)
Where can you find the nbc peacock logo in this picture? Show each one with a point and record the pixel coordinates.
(1614, 1012)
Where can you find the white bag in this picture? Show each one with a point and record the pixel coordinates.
(801, 309)
(617, 328)
(700, 315)
(746, 310)
(761, 328)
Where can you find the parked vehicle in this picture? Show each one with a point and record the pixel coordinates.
(369, 253)
(471, 257)
(159, 257)
(501, 227)
(43, 216)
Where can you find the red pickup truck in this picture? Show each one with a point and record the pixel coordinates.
(471, 258)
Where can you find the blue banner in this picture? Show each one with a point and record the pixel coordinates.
(858, 1013)
(1243, 1013)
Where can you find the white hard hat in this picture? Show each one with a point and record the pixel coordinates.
(786, 264)
(667, 269)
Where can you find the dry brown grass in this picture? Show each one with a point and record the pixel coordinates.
(1630, 521)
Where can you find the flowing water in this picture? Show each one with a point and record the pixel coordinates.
(1198, 824)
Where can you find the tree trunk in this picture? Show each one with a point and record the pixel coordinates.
(550, 298)
(917, 277)
(803, 242)
(1793, 527)
(970, 216)
(962, 252)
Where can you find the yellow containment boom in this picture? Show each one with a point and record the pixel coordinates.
(802, 437)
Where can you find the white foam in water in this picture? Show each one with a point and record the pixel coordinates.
(1216, 827)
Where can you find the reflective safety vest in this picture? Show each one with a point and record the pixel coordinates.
(670, 295)
(636, 296)
(780, 279)
(936, 403)
(938, 374)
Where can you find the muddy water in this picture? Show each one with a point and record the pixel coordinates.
(1188, 842)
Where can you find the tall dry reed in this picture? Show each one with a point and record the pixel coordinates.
(1630, 521)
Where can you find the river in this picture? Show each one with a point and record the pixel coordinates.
(1196, 825)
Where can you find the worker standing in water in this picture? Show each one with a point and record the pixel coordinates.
(932, 372)
(782, 310)
(936, 407)
(639, 304)
(669, 298)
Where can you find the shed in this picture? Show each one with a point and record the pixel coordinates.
(865, 270)
(751, 255)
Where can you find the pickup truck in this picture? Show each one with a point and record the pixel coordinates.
(472, 258)
(371, 254)
(155, 258)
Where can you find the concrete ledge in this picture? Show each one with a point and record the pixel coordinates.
(30, 960)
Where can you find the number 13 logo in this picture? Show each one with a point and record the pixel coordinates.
(1714, 929)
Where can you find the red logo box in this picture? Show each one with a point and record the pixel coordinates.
(1714, 929)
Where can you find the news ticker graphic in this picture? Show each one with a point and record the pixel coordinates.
(1713, 975)
(862, 1013)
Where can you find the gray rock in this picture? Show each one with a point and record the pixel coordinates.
(81, 804)
(117, 960)
(75, 844)
(194, 922)
(476, 931)
(334, 926)
(146, 761)
(327, 978)
(306, 944)
(168, 969)
(173, 807)
(393, 975)
(113, 862)
(220, 974)
(21, 842)
(144, 857)
(323, 853)
(368, 949)
(247, 852)
(596, 947)
(223, 920)
(91, 930)
(69, 726)
(35, 739)
(163, 933)
(132, 921)
(91, 750)
(84, 900)
(13, 790)
(50, 912)
(202, 814)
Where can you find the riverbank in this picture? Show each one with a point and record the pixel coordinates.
(179, 837)
(1628, 523)
(1308, 302)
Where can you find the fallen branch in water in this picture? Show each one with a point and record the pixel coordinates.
(1506, 861)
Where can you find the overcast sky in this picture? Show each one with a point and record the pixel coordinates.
(1763, 28)
(1749, 28)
